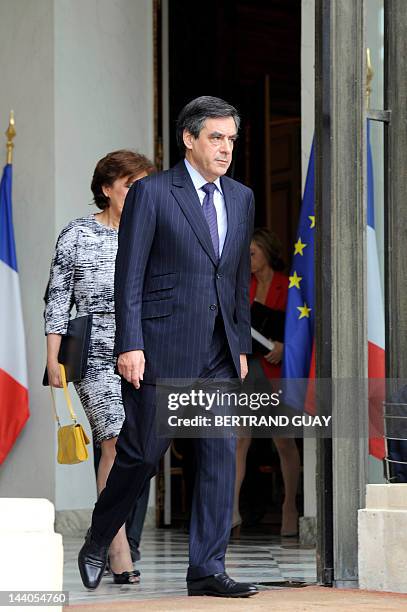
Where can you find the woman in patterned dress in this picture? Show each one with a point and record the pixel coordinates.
(82, 274)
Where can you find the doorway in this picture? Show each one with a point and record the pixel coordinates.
(247, 52)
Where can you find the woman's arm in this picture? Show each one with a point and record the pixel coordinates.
(54, 374)
(59, 298)
(60, 293)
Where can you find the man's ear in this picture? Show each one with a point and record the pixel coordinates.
(187, 138)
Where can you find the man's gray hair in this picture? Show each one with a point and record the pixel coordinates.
(195, 113)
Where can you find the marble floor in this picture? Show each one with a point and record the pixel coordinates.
(269, 561)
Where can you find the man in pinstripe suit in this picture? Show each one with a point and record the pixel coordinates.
(182, 311)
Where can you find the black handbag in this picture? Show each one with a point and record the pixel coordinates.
(74, 349)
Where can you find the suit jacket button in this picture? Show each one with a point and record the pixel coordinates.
(218, 275)
(213, 307)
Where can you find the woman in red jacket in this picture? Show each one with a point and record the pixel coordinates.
(269, 286)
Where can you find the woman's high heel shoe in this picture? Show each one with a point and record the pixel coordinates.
(127, 577)
(289, 527)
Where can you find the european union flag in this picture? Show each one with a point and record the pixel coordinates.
(300, 312)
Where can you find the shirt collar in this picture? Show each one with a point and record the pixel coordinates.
(197, 179)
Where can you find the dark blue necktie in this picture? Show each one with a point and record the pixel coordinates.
(209, 211)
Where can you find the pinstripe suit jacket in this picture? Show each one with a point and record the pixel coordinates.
(169, 284)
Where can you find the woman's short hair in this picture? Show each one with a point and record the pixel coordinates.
(269, 243)
(116, 165)
(193, 116)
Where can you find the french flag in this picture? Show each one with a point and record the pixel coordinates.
(14, 410)
(375, 322)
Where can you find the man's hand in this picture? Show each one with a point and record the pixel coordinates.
(243, 366)
(131, 366)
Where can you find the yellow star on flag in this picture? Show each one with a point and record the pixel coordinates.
(294, 280)
(304, 310)
(299, 246)
(312, 219)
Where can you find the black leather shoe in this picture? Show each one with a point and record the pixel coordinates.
(92, 561)
(220, 585)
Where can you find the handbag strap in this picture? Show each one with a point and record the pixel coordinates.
(54, 406)
(67, 397)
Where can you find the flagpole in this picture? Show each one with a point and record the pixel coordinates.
(10, 133)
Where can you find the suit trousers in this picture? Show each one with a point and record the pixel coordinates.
(138, 453)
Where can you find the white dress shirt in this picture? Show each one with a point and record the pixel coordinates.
(218, 200)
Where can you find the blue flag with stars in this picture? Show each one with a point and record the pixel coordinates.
(300, 312)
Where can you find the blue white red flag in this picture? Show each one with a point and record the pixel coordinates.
(14, 410)
(375, 321)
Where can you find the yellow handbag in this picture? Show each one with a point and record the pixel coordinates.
(72, 439)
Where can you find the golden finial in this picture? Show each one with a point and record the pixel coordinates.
(369, 77)
(10, 133)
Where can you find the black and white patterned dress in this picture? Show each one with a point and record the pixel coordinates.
(82, 275)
